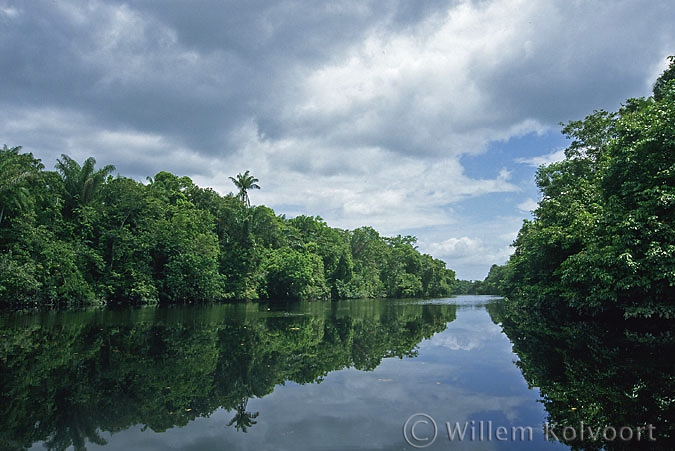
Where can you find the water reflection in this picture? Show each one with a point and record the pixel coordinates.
(243, 420)
(607, 378)
(341, 375)
(66, 377)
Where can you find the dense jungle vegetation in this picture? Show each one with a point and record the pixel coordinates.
(602, 240)
(78, 235)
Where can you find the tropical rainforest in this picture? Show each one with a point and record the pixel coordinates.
(602, 239)
(78, 236)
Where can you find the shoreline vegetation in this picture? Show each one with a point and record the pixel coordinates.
(602, 239)
(78, 236)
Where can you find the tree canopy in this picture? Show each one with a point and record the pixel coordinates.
(78, 235)
(602, 240)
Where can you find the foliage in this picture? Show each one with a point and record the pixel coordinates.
(245, 182)
(80, 182)
(493, 284)
(16, 170)
(601, 240)
(495, 281)
(79, 236)
(291, 274)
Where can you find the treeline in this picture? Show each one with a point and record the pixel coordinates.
(491, 285)
(602, 240)
(78, 235)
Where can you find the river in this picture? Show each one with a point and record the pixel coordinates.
(363, 374)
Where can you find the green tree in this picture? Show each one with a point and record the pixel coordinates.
(494, 282)
(369, 252)
(78, 235)
(437, 280)
(602, 236)
(245, 182)
(331, 244)
(80, 182)
(16, 170)
(401, 272)
(661, 87)
(292, 274)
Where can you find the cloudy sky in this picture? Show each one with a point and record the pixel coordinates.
(415, 117)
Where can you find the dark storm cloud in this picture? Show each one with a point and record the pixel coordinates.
(193, 71)
(575, 57)
(119, 68)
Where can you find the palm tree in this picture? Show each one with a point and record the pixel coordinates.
(11, 168)
(245, 182)
(15, 168)
(81, 182)
(243, 420)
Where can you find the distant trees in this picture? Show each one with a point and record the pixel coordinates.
(78, 235)
(495, 281)
(493, 284)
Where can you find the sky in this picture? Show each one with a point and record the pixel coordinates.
(424, 118)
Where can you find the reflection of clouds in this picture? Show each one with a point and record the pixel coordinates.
(458, 343)
(353, 409)
(468, 332)
(372, 411)
(468, 405)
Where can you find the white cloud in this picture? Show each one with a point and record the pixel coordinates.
(416, 90)
(553, 157)
(528, 205)
(472, 256)
(9, 11)
(468, 249)
(353, 187)
(457, 247)
(352, 112)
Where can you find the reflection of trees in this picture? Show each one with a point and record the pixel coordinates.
(495, 308)
(66, 377)
(602, 373)
(243, 420)
(75, 425)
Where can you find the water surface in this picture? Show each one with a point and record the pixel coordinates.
(316, 376)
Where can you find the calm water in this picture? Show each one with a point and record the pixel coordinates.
(305, 376)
